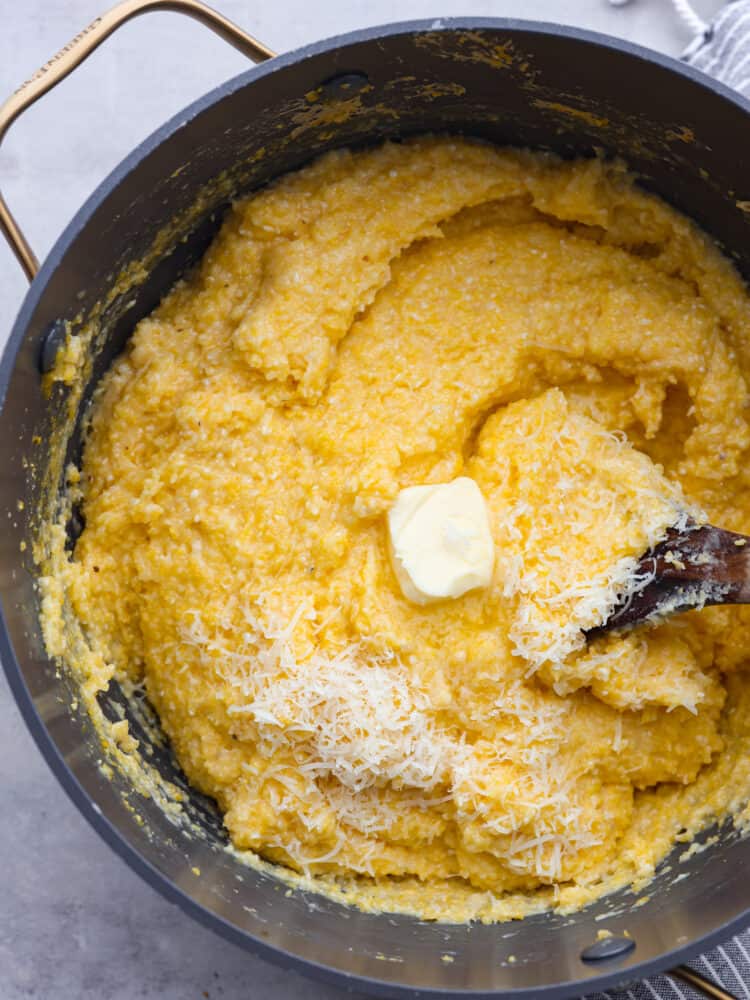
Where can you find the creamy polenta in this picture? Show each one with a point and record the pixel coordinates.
(398, 317)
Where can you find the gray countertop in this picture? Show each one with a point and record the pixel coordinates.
(74, 921)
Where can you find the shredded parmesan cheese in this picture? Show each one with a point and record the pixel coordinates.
(574, 508)
(361, 731)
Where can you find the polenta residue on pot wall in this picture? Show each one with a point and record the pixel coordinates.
(403, 316)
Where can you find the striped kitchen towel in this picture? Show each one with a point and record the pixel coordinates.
(721, 49)
(728, 966)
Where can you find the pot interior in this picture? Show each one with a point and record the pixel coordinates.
(549, 89)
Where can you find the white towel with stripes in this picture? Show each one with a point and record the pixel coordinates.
(721, 49)
(728, 966)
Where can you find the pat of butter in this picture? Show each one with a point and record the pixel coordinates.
(441, 545)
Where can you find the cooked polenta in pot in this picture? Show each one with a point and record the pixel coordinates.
(357, 489)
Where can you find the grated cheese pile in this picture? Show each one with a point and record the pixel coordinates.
(366, 724)
(359, 720)
(574, 507)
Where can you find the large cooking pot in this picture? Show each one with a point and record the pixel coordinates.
(526, 84)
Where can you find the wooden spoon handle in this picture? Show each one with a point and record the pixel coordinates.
(690, 569)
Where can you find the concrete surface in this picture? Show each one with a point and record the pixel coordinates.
(74, 921)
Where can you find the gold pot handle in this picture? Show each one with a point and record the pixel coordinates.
(701, 983)
(74, 53)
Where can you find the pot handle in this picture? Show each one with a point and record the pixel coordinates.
(701, 983)
(75, 52)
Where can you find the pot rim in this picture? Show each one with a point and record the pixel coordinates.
(86, 806)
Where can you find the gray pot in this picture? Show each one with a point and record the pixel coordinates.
(511, 82)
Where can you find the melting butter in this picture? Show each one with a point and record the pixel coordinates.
(440, 540)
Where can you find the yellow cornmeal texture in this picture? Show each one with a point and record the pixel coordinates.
(403, 316)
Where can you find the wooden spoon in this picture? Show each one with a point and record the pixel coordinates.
(694, 567)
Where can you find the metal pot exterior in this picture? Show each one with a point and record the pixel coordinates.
(508, 82)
